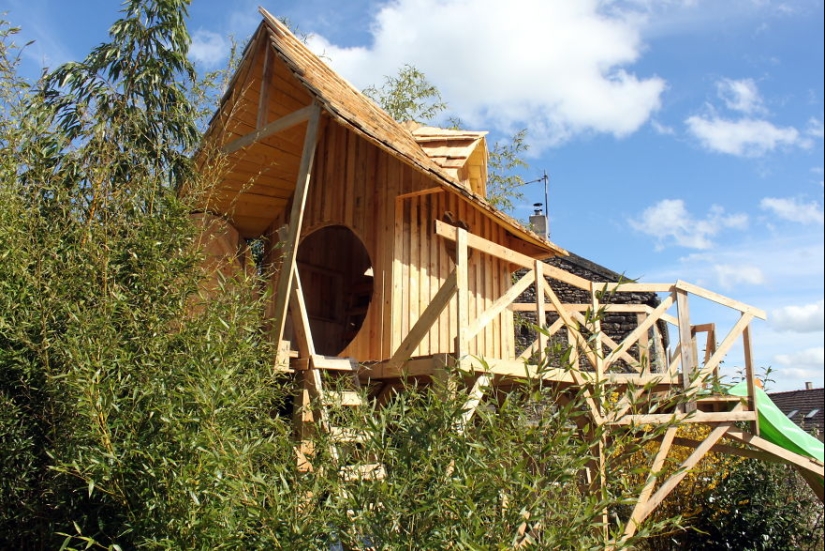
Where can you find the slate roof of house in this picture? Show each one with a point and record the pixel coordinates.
(803, 407)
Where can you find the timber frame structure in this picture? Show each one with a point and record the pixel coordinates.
(389, 263)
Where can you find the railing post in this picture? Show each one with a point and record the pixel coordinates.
(597, 331)
(541, 312)
(689, 365)
(749, 376)
(646, 353)
(462, 295)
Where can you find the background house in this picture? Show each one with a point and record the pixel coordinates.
(805, 407)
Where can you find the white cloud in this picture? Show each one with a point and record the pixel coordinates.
(563, 70)
(740, 95)
(794, 210)
(800, 319)
(745, 137)
(730, 276)
(670, 222)
(805, 364)
(815, 128)
(662, 129)
(208, 48)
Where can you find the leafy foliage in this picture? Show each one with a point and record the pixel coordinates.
(758, 506)
(138, 410)
(503, 181)
(737, 503)
(408, 96)
(121, 424)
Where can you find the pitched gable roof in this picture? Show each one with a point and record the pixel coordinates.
(346, 106)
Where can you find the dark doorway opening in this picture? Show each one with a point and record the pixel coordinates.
(337, 278)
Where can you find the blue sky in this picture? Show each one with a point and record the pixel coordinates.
(683, 138)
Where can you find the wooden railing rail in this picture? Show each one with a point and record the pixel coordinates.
(601, 352)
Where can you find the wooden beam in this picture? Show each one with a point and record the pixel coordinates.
(462, 292)
(730, 450)
(815, 482)
(473, 400)
(750, 378)
(290, 246)
(725, 301)
(569, 321)
(689, 361)
(266, 85)
(437, 305)
(683, 470)
(633, 287)
(287, 121)
(650, 483)
(575, 372)
(695, 417)
(640, 330)
(479, 243)
(597, 337)
(428, 191)
(300, 319)
(726, 344)
(505, 300)
(541, 313)
(803, 462)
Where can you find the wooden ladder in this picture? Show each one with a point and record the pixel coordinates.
(345, 443)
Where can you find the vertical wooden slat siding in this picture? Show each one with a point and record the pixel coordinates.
(443, 266)
(433, 266)
(411, 310)
(356, 185)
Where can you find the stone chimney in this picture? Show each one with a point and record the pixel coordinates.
(809, 385)
(538, 221)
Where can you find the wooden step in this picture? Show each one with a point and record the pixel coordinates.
(367, 471)
(340, 434)
(349, 398)
(317, 361)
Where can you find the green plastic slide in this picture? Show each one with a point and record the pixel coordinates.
(775, 427)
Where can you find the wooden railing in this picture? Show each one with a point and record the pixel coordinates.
(596, 357)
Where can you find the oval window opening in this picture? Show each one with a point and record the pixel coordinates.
(337, 279)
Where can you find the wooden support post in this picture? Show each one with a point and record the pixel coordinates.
(461, 348)
(597, 331)
(541, 313)
(300, 319)
(602, 485)
(302, 419)
(645, 357)
(296, 218)
(660, 357)
(750, 377)
(473, 400)
(689, 365)
(650, 483)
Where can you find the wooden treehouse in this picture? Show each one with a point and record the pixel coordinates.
(390, 263)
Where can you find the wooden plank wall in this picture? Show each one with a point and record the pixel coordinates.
(424, 262)
(356, 185)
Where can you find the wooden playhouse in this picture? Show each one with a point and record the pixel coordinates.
(388, 261)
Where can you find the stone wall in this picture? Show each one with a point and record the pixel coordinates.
(616, 325)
